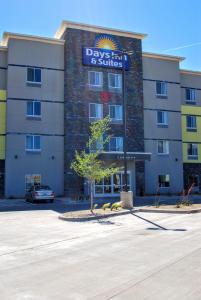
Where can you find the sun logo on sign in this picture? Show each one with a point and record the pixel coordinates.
(105, 41)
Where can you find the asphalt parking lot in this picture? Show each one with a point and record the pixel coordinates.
(139, 256)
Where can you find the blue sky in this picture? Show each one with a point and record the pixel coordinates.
(173, 26)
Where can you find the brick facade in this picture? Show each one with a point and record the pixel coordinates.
(78, 95)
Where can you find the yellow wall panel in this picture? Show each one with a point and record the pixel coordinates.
(3, 95)
(2, 117)
(188, 136)
(2, 147)
(191, 110)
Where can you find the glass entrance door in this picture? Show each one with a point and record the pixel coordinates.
(112, 185)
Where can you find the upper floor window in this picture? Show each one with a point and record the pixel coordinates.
(164, 181)
(95, 111)
(33, 143)
(161, 88)
(163, 147)
(162, 118)
(115, 112)
(192, 151)
(97, 146)
(115, 81)
(191, 123)
(190, 95)
(95, 78)
(116, 144)
(34, 75)
(33, 108)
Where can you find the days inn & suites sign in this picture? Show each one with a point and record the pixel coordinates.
(106, 54)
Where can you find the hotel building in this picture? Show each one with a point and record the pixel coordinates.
(51, 89)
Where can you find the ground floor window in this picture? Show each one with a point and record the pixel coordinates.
(112, 185)
(164, 181)
(32, 179)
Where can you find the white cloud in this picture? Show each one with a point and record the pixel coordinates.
(182, 47)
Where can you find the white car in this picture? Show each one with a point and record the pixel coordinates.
(40, 192)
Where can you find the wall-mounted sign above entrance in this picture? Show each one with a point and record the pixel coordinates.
(105, 53)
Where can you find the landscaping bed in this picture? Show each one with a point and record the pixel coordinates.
(87, 215)
(117, 210)
(182, 209)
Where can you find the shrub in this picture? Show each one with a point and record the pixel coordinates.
(106, 205)
(186, 202)
(116, 205)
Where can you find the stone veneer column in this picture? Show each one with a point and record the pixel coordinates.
(78, 95)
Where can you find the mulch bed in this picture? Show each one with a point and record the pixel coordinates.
(194, 208)
(87, 215)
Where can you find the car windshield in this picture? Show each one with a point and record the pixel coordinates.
(42, 187)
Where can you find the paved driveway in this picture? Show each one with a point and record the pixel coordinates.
(140, 256)
(59, 205)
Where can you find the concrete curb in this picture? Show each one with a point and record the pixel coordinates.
(109, 215)
(170, 211)
(121, 213)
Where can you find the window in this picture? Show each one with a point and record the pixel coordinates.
(162, 118)
(192, 151)
(112, 185)
(34, 75)
(33, 109)
(32, 179)
(190, 95)
(163, 147)
(33, 143)
(115, 81)
(191, 123)
(95, 111)
(164, 181)
(161, 88)
(95, 78)
(116, 144)
(115, 112)
(98, 145)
